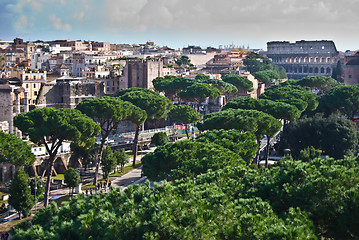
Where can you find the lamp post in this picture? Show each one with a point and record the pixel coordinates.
(35, 194)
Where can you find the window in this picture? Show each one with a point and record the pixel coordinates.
(35, 93)
(27, 85)
(34, 85)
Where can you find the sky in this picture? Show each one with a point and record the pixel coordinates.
(179, 23)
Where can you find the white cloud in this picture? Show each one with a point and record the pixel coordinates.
(57, 23)
(79, 15)
(36, 5)
(22, 23)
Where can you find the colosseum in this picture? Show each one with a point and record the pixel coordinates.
(304, 58)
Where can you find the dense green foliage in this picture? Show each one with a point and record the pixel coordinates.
(266, 76)
(222, 86)
(171, 85)
(159, 139)
(256, 62)
(294, 200)
(72, 178)
(279, 110)
(244, 144)
(108, 163)
(335, 136)
(20, 194)
(239, 82)
(293, 95)
(155, 105)
(319, 83)
(308, 154)
(198, 93)
(51, 127)
(187, 159)
(184, 114)
(343, 99)
(14, 150)
(257, 122)
(243, 120)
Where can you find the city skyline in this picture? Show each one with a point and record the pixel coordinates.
(181, 23)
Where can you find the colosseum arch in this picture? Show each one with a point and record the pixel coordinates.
(300, 59)
(305, 59)
(316, 70)
(310, 70)
(328, 70)
(311, 59)
(329, 60)
(322, 59)
(322, 70)
(316, 59)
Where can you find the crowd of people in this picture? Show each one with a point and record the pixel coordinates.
(100, 185)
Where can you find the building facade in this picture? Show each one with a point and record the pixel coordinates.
(140, 73)
(351, 69)
(304, 58)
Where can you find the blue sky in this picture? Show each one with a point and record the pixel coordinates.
(178, 23)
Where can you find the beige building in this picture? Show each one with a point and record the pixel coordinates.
(31, 82)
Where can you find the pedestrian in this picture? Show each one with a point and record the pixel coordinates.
(91, 191)
(2, 236)
(6, 235)
(98, 186)
(87, 192)
(109, 184)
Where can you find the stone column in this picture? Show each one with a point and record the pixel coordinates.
(26, 102)
(17, 111)
(17, 103)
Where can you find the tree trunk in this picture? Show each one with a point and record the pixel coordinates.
(256, 159)
(99, 161)
(267, 151)
(186, 130)
(48, 181)
(135, 143)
